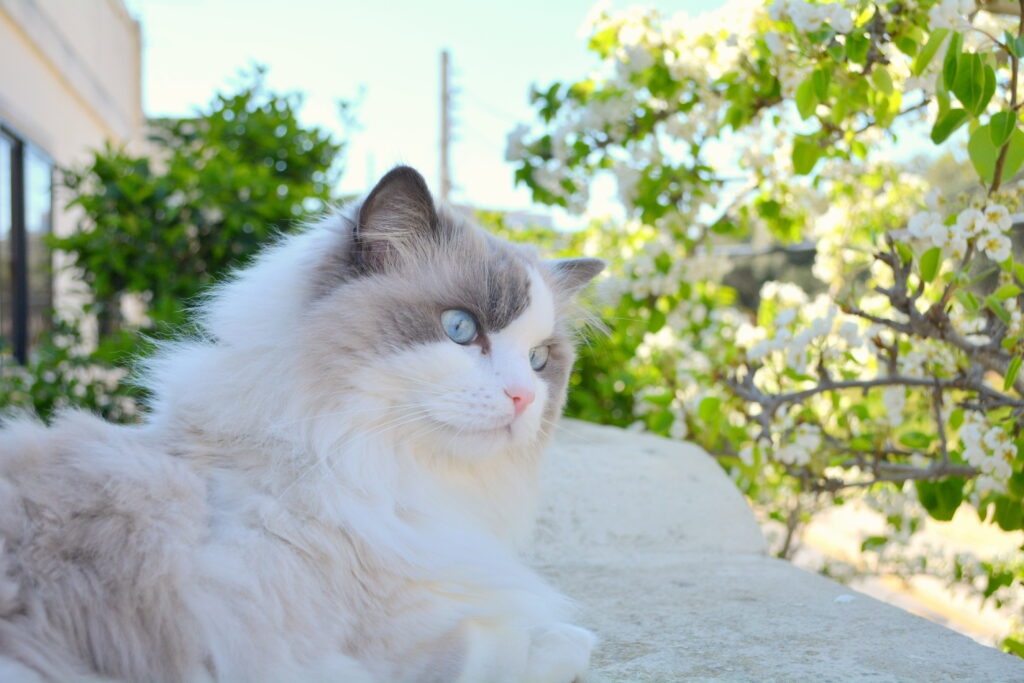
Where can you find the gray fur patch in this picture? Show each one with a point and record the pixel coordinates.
(459, 266)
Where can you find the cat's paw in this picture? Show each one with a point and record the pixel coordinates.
(559, 653)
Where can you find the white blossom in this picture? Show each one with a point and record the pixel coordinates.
(895, 401)
(774, 42)
(996, 245)
(805, 443)
(515, 146)
(840, 18)
(921, 224)
(998, 217)
(785, 317)
(950, 14)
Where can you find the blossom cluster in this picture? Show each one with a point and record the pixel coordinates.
(951, 14)
(988, 228)
(806, 442)
(989, 448)
(801, 323)
(809, 16)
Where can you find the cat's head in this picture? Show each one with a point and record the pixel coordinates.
(438, 332)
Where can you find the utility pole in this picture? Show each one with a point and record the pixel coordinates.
(446, 127)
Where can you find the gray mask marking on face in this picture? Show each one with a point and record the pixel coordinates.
(423, 260)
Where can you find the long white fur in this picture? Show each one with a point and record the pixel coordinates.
(316, 538)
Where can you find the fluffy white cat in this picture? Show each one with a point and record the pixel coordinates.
(331, 481)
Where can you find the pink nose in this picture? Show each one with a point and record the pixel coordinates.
(521, 398)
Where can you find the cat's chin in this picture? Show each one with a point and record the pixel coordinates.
(480, 442)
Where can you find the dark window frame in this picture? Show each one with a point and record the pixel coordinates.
(19, 258)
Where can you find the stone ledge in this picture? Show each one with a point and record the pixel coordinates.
(654, 543)
(605, 489)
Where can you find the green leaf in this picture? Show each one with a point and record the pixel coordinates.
(882, 80)
(941, 498)
(660, 399)
(956, 418)
(1001, 126)
(949, 66)
(947, 124)
(996, 307)
(1008, 515)
(862, 412)
(983, 153)
(916, 440)
(860, 443)
(1014, 646)
(657, 320)
(857, 45)
(906, 255)
(604, 41)
(1014, 155)
(769, 208)
(941, 98)
(1011, 42)
(660, 421)
(929, 264)
(723, 227)
(907, 45)
(806, 99)
(873, 542)
(924, 57)
(969, 84)
(969, 301)
(1006, 291)
(805, 156)
(988, 90)
(1011, 373)
(886, 106)
(1015, 486)
(821, 78)
(708, 410)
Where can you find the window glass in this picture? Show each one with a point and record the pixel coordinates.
(6, 261)
(38, 219)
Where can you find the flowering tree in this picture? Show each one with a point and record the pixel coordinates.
(762, 126)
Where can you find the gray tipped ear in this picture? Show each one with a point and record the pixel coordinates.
(573, 274)
(398, 213)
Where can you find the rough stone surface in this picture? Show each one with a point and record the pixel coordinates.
(606, 489)
(666, 562)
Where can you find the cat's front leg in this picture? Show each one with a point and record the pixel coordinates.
(553, 653)
(559, 653)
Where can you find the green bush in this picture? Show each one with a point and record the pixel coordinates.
(162, 226)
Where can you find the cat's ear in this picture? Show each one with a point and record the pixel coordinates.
(572, 274)
(398, 213)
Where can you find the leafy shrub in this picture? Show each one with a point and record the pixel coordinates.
(158, 228)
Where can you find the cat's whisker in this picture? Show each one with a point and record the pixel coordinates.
(573, 431)
(356, 411)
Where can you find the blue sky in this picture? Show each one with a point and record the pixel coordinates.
(331, 50)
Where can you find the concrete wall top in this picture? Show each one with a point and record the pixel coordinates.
(665, 561)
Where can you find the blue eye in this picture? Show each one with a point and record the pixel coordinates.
(538, 357)
(459, 326)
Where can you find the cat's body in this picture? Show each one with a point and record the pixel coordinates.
(327, 488)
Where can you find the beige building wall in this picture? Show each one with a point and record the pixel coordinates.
(70, 80)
